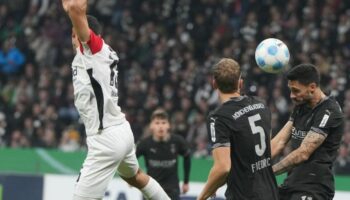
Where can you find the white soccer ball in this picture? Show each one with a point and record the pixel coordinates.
(272, 55)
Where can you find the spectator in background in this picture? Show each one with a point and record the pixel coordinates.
(70, 140)
(11, 58)
(3, 125)
(197, 136)
(342, 163)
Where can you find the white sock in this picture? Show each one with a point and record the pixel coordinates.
(76, 197)
(153, 191)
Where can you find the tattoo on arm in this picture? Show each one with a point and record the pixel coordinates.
(310, 143)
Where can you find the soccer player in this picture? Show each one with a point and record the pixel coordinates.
(315, 129)
(109, 137)
(239, 132)
(161, 150)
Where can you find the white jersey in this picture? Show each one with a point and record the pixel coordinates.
(95, 85)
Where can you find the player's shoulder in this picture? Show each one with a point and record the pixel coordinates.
(145, 140)
(176, 137)
(217, 112)
(331, 104)
(256, 99)
(94, 45)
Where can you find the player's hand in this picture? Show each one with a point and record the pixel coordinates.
(80, 4)
(213, 195)
(201, 197)
(185, 188)
(66, 4)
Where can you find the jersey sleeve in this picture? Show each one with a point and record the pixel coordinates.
(325, 119)
(93, 46)
(184, 149)
(219, 132)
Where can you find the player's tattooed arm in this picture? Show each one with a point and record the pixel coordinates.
(281, 139)
(310, 143)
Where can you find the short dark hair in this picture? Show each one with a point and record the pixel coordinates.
(94, 25)
(304, 74)
(226, 74)
(159, 114)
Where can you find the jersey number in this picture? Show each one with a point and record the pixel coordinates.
(75, 71)
(259, 149)
(113, 68)
(113, 78)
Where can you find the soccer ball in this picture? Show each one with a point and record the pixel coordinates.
(272, 55)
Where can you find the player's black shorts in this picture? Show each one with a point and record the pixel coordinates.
(286, 194)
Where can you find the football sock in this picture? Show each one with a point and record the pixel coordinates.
(154, 191)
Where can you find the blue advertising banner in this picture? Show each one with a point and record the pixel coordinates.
(21, 187)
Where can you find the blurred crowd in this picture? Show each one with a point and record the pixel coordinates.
(166, 50)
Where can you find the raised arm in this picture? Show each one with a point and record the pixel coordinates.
(310, 143)
(281, 139)
(76, 10)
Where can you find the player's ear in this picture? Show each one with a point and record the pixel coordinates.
(312, 87)
(151, 126)
(240, 84)
(214, 84)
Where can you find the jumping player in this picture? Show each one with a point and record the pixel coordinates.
(109, 139)
(315, 129)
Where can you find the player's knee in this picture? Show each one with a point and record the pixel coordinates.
(139, 180)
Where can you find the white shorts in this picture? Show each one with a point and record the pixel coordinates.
(113, 149)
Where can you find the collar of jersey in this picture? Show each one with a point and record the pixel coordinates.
(239, 98)
(165, 139)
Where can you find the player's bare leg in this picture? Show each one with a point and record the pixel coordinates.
(147, 185)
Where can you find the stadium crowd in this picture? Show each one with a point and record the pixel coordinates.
(166, 49)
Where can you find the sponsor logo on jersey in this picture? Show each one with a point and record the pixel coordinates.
(298, 134)
(162, 163)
